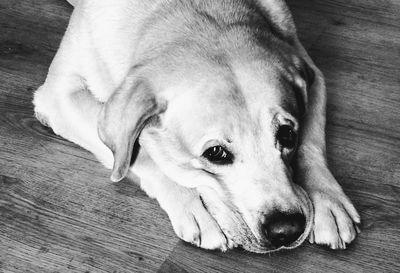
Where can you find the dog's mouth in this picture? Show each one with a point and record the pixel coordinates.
(239, 233)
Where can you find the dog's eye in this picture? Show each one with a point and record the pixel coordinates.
(218, 155)
(287, 137)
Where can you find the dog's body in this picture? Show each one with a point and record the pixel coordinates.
(217, 91)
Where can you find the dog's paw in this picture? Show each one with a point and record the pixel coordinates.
(194, 224)
(42, 119)
(335, 219)
(40, 101)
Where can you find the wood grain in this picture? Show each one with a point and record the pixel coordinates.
(60, 213)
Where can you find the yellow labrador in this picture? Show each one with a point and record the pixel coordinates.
(224, 101)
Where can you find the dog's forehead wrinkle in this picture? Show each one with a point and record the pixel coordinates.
(193, 25)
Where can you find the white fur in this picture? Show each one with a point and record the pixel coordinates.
(99, 49)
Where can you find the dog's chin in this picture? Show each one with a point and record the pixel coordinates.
(267, 248)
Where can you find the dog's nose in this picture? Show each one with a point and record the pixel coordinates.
(283, 229)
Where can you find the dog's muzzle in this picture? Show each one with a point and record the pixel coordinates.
(285, 231)
(278, 231)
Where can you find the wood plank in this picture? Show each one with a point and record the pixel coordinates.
(73, 199)
(47, 240)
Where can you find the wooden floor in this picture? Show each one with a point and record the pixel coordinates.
(60, 213)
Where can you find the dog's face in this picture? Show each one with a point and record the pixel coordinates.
(235, 134)
(231, 133)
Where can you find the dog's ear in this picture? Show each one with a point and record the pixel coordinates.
(308, 74)
(307, 79)
(123, 117)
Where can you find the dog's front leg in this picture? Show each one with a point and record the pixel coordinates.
(335, 216)
(190, 219)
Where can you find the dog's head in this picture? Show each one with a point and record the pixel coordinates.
(227, 124)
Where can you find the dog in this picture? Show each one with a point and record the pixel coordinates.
(224, 102)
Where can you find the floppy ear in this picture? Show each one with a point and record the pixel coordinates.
(122, 118)
(307, 79)
(308, 74)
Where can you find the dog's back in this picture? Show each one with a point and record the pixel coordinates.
(125, 32)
